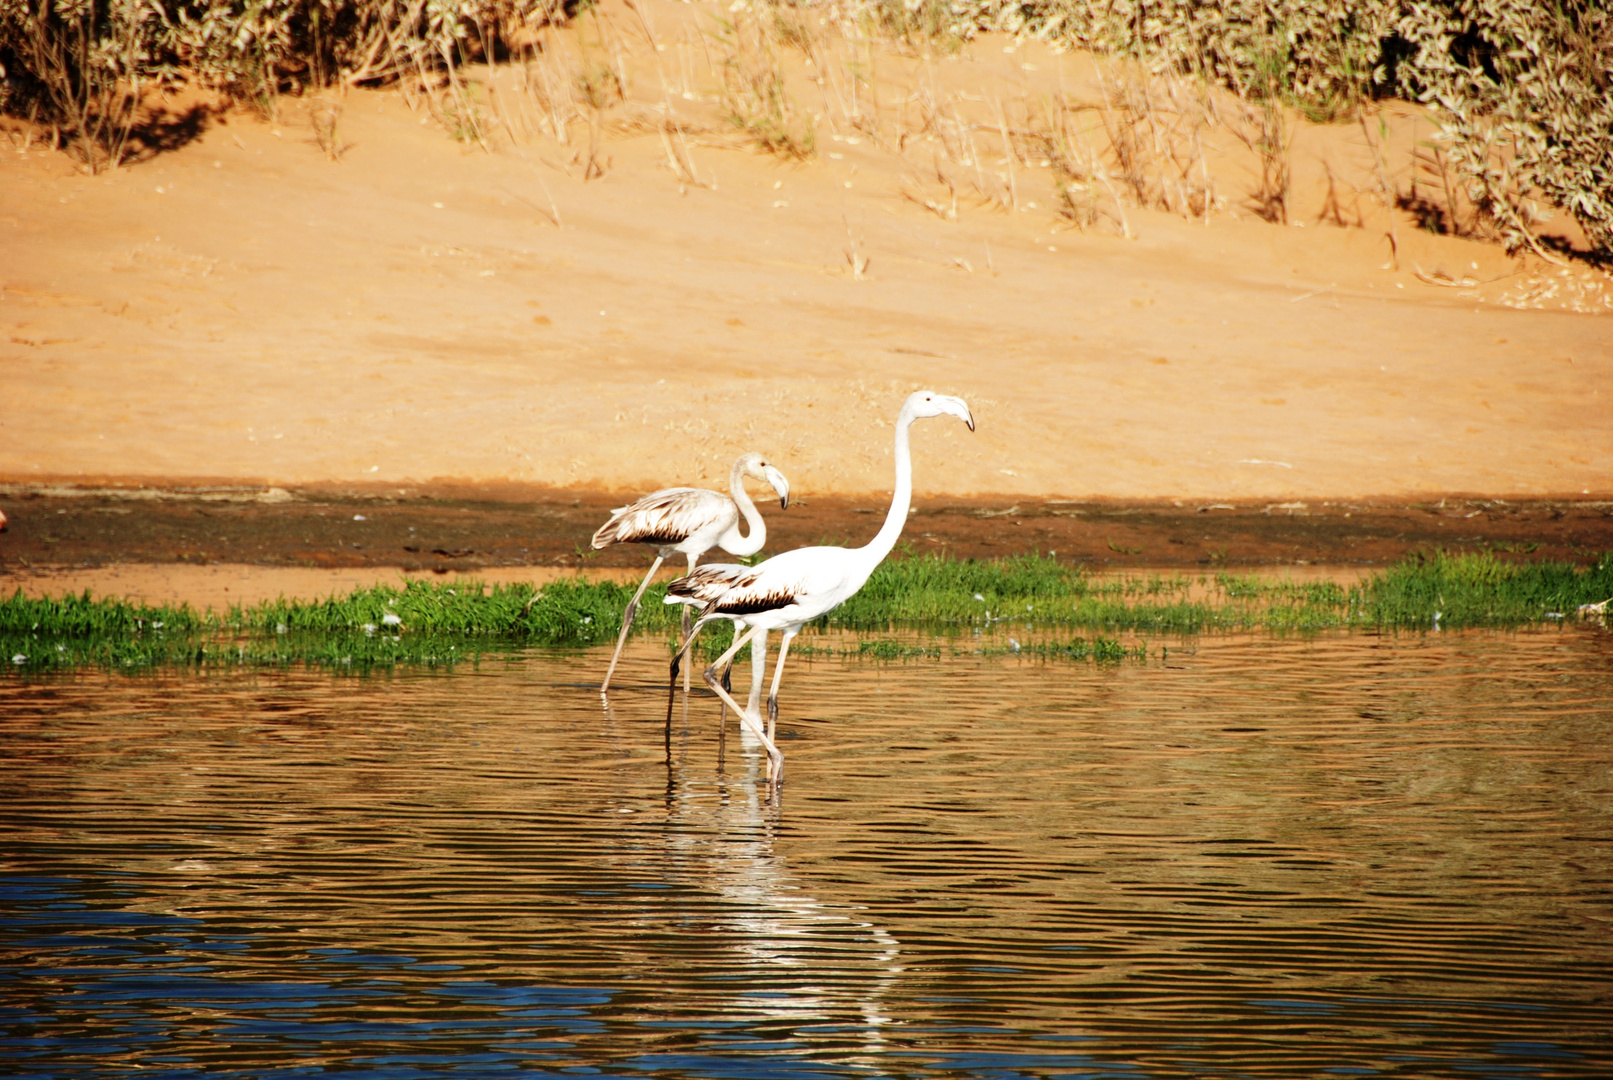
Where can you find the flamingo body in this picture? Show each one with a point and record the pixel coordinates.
(792, 588)
(688, 521)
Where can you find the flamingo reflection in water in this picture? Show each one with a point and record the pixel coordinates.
(804, 961)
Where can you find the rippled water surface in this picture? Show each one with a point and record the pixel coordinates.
(1350, 857)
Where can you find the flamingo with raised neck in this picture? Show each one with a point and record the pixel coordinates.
(789, 590)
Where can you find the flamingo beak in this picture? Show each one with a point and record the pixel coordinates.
(780, 485)
(960, 408)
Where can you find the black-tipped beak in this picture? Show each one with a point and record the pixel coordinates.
(959, 408)
(780, 485)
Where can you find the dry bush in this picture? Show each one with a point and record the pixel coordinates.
(547, 79)
(755, 96)
(78, 67)
(1155, 130)
(261, 47)
(1081, 181)
(1377, 141)
(325, 116)
(1263, 127)
(1524, 92)
(1326, 51)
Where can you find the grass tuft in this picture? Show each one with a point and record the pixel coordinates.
(1482, 590)
(1024, 605)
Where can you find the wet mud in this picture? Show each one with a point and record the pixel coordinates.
(452, 531)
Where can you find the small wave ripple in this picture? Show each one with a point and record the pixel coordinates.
(1350, 856)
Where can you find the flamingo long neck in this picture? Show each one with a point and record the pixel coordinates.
(882, 543)
(731, 541)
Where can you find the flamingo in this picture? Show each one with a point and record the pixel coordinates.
(790, 590)
(690, 521)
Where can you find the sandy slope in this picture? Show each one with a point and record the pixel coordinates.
(244, 309)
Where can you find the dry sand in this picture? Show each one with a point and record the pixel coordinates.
(242, 309)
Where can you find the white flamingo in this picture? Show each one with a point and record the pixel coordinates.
(690, 521)
(789, 590)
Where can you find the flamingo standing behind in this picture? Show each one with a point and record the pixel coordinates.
(790, 590)
(690, 521)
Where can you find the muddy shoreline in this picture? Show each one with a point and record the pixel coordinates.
(447, 531)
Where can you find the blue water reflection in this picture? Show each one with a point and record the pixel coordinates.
(184, 1016)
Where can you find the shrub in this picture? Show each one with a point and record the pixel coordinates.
(80, 66)
(1523, 90)
(1524, 95)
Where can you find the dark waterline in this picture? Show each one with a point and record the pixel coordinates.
(1354, 856)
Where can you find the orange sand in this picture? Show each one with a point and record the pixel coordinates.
(243, 309)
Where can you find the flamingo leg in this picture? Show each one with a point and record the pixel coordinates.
(775, 760)
(758, 656)
(627, 622)
(685, 621)
(722, 737)
(677, 662)
(778, 676)
(758, 673)
(722, 711)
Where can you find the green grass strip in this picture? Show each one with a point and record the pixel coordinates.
(446, 623)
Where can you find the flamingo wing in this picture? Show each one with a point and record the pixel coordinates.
(704, 584)
(730, 589)
(669, 516)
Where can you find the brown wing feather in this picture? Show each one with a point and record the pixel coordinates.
(670, 516)
(749, 603)
(707, 583)
(733, 589)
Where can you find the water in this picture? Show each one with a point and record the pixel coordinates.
(1360, 856)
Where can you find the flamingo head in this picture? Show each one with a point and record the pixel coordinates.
(928, 403)
(757, 467)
